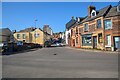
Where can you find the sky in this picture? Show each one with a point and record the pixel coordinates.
(21, 15)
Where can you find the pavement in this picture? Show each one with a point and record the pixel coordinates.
(60, 62)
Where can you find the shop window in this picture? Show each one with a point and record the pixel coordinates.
(100, 38)
(18, 36)
(87, 40)
(107, 24)
(99, 23)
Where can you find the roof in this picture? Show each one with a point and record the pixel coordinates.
(28, 29)
(99, 13)
(113, 12)
(70, 23)
(5, 31)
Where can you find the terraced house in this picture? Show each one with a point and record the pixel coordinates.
(100, 29)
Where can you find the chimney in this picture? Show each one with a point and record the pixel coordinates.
(90, 8)
(72, 17)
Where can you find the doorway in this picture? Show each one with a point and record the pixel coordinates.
(94, 42)
(116, 43)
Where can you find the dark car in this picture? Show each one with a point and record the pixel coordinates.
(47, 44)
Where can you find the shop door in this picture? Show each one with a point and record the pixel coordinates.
(117, 42)
(95, 42)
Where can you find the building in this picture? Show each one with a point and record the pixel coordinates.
(68, 31)
(58, 35)
(47, 29)
(6, 35)
(32, 35)
(100, 29)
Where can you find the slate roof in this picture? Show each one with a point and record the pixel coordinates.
(28, 29)
(5, 31)
(113, 12)
(99, 13)
(70, 23)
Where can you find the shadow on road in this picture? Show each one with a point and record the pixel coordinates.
(19, 52)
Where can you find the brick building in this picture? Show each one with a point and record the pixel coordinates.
(100, 29)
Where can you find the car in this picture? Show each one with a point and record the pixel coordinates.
(47, 43)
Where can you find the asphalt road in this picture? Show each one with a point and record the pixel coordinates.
(60, 62)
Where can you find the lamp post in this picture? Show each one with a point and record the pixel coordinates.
(35, 30)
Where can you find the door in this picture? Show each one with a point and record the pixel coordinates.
(117, 42)
(95, 42)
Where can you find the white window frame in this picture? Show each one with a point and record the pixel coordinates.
(111, 24)
(93, 11)
(118, 8)
(108, 45)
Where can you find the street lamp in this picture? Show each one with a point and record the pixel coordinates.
(35, 30)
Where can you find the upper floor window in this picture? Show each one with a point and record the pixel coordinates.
(24, 36)
(118, 8)
(107, 24)
(99, 23)
(85, 27)
(93, 13)
(18, 36)
(76, 30)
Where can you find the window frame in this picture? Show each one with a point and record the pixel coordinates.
(86, 27)
(107, 24)
(24, 35)
(85, 37)
(18, 37)
(99, 23)
(108, 44)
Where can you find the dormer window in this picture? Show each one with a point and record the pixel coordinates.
(93, 13)
(118, 8)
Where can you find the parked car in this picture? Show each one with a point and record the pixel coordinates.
(47, 44)
(59, 44)
(3, 47)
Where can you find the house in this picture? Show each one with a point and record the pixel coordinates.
(68, 31)
(47, 29)
(6, 35)
(96, 30)
(100, 29)
(32, 35)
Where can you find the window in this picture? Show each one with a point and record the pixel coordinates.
(118, 8)
(100, 38)
(36, 35)
(76, 40)
(85, 27)
(108, 40)
(24, 36)
(99, 23)
(18, 36)
(107, 24)
(87, 40)
(68, 35)
(93, 13)
(76, 30)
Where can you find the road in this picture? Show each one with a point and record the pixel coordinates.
(60, 62)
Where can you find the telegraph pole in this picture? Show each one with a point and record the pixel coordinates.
(35, 30)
